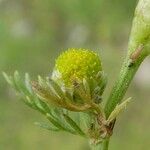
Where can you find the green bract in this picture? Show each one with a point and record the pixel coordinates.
(76, 64)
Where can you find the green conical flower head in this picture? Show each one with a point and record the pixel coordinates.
(76, 64)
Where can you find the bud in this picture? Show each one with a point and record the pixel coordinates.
(140, 34)
(76, 64)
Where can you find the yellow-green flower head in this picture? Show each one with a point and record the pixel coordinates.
(76, 64)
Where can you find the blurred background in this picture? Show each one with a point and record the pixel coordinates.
(34, 32)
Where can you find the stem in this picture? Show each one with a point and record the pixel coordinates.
(106, 144)
(126, 75)
(102, 146)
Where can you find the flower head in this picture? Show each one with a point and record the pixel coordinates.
(76, 64)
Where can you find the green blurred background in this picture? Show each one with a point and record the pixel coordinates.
(34, 32)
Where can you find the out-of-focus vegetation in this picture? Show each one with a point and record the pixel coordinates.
(34, 32)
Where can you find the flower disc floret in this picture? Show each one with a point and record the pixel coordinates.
(77, 64)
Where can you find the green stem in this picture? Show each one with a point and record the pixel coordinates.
(106, 144)
(126, 75)
(102, 146)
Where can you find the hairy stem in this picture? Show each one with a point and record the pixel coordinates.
(138, 49)
(125, 77)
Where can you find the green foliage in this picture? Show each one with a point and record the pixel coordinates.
(56, 116)
(66, 109)
(75, 110)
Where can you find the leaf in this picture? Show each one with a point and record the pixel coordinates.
(20, 85)
(45, 94)
(55, 123)
(30, 98)
(45, 106)
(73, 125)
(47, 127)
(8, 78)
(10, 81)
(57, 89)
(57, 114)
(28, 83)
(29, 102)
(17, 81)
(117, 110)
(58, 124)
(85, 120)
(74, 116)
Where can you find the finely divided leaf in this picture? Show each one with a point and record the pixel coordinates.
(73, 125)
(46, 126)
(117, 110)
